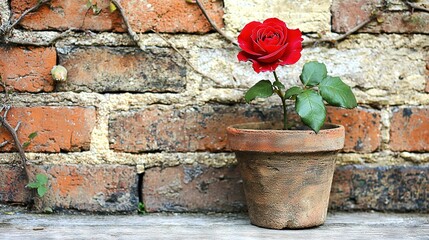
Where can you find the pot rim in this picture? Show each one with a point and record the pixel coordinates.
(247, 127)
(242, 137)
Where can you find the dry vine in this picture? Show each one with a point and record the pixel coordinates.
(343, 36)
(213, 24)
(136, 39)
(12, 130)
(6, 28)
(415, 6)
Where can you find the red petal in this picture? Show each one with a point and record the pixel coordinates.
(244, 38)
(275, 21)
(273, 56)
(265, 67)
(242, 56)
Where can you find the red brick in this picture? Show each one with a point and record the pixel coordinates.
(395, 188)
(409, 129)
(101, 188)
(193, 189)
(164, 15)
(203, 128)
(123, 69)
(12, 184)
(64, 14)
(201, 189)
(58, 128)
(199, 128)
(362, 128)
(27, 69)
(346, 14)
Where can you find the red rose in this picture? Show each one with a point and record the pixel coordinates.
(269, 44)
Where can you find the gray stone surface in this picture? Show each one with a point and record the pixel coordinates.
(338, 226)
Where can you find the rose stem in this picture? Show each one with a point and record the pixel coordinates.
(282, 97)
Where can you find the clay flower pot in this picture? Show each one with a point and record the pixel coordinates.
(287, 174)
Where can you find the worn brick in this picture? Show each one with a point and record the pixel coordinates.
(409, 130)
(101, 188)
(362, 128)
(395, 188)
(123, 69)
(164, 16)
(27, 69)
(195, 128)
(190, 188)
(346, 14)
(308, 16)
(58, 128)
(12, 185)
(179, 189)
(203, 128)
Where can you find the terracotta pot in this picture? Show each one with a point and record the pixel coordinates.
(287, 174)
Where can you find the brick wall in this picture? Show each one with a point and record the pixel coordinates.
(130, 121)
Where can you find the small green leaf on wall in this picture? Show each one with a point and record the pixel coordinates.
(32, 135)
(112, 7)
(40, 184)
(141, 208)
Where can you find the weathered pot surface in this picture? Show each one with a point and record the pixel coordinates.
(287, 175)
(267, 137)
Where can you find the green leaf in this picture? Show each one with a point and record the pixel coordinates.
(262, 89)
(32, 135)
(309, 106)
(112, 7)
(279, 85)
(293, 91)
(33, 185)
(141, 208)
(41, 179)
(26, 144)
(313, 73)
(41, 190)
(337, 93)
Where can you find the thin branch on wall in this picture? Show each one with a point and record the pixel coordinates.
(7, 27)
(130, 30)
(183, 56)
(12, 130)
(213, 24)
(136, 39)
(415, 6)
(343, 36)
(13, 133)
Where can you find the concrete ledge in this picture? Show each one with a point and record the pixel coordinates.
(219, 226)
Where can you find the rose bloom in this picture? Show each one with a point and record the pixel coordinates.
(269, 44)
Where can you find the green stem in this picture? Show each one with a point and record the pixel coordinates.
(283, 99)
